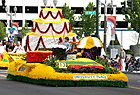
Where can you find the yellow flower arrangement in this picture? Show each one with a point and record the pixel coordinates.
(51, 9)
(41, 71)
(4, 62)
(69, 35)
(48, 22)
(90, 43)
(78, 54)
(16, 54)
(41, 51)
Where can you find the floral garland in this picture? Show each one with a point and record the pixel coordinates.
(54, 17)
(51, 25)
(27, 43)
(40, 39)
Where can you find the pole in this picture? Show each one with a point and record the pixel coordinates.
(138, 37)
(5, 31)
(111, 7)
(11, 20)
(11, 14)
(105, 24)
(97, 18)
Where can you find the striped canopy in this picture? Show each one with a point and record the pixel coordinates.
(89, 42)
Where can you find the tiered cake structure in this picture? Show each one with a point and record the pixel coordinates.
(47, 29)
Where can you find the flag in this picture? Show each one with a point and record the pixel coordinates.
(111, 22)
(11, 37)
(111, 25)
(15, 25)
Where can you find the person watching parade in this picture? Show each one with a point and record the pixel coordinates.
(19, 48)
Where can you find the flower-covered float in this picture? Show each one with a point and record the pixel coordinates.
(9, 57)
(41, 67)
(4, 62)
(77, 72)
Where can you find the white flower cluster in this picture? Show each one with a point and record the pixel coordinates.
(59, 46)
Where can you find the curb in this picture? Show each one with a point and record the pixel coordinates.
(137, 73)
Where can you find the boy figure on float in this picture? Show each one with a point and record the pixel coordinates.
(19, 48)
(66, 43)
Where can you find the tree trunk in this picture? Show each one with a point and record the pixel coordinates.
(138, 37)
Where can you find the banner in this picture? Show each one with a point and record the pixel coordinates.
(90, 77)
(15, 25)
(11, 37)
(111, 25)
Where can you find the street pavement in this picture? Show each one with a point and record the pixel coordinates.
(9, 87)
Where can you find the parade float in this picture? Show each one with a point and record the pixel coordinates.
(9, 57)
(4, 62)
(42, 67)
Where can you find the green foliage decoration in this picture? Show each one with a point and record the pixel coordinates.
(67, 83)
(50, 61)
(107, 65)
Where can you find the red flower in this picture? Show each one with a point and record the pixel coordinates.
(88, 66)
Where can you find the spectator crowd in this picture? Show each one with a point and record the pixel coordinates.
(126, 63)
(11, 47)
